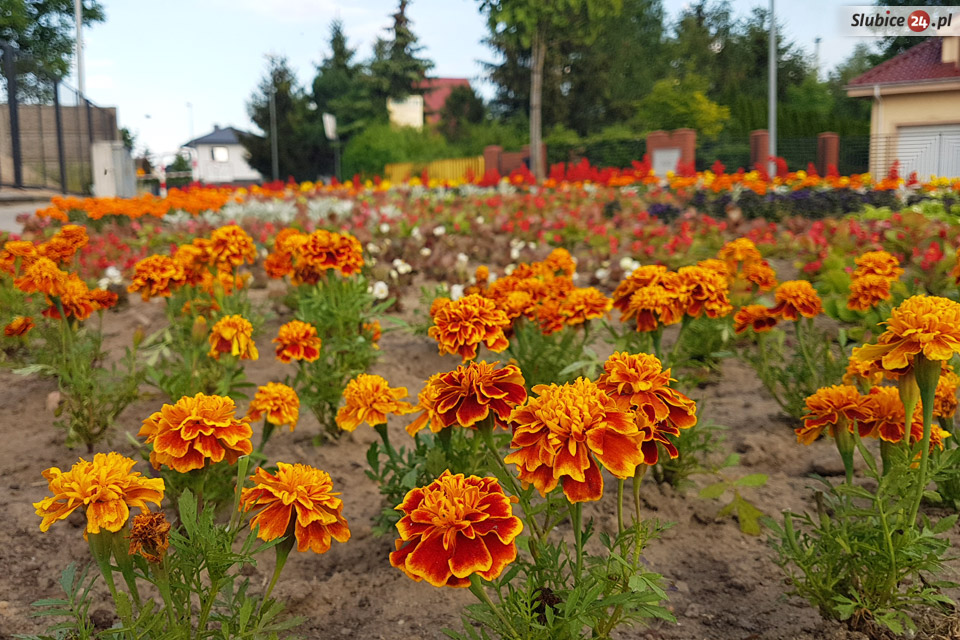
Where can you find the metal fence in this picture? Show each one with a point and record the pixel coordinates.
(47, 129)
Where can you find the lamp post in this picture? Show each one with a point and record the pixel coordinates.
(274, 151)
(78, 15)
(772, 91)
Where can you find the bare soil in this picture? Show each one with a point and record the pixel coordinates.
(722, 584)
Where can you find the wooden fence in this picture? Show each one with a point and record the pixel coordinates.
(451, 170)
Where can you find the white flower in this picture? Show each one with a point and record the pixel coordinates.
(628, 264)
(380, 290)
(509, 269)
(384, 228)
(415, 233)
(462, 260)
(425, 252)
(456, 291)
(439, 230)
(575, 277)
(514, 253)
(401, 267)
(373, 247)
(532, 246)
(481, 220)
(602, 273)
(113, 275)
(393, 274)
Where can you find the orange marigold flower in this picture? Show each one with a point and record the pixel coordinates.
(299, 500)
(374, 330)
(795, 298)
(231, 246)
(867, 291)
(760, 274)
(150, 536)
(705, 292)
(644, 276)
(467, 395)
(75, 299)
(862, 373)
(886, 415)
(927, 325)
(191, 260)
(64, 244)
(369, 398)
(584, 304)
(739, 251)
(460, 326)
(185, 434)
(156, 275)
(278, 265)
(482, 275)
(454, 527)
(13, 250)
(106, 487)
(639, 383)
(19, 326)
(945, 401)
(716, 265)
(560, 262)
(324, 250)
(233, 335)
(839, 405)
(654, 306)
(516, 304)
(437, 304)
(549, 317)
(756, 316)
(278, 403)
(877, 263)
(297, 340)
(42, 276)
(560, 434)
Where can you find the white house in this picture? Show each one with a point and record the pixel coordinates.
(219, 158)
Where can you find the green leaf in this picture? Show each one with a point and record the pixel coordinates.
(752, 480)
(749, 517)
(714, 491)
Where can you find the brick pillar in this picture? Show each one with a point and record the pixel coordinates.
(828, 151)
(686, 140)
(759, 147)
(491, 158)
(657, 140)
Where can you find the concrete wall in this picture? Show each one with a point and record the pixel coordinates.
(891, 112)
(233, 170)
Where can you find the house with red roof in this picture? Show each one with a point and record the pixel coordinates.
(435, 94)
(915, 119)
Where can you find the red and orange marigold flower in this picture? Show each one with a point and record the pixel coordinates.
(297, 340)
(156, 275)
(230, 246)
(453, 528)
(927, 325)
(830, 407)
(877, 263)
(460, 326)
(19, 326)
(277, 403)
(106, 488)
(369, 398)
(233, 335)
(468, 395)
(706, 292)
(584, 304)
(197, 428)
(867, 291)
(150, 536)
(560, 435)
(795, 298)
(755, 316)
(298, 499)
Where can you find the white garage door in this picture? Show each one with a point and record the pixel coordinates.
(932, 150)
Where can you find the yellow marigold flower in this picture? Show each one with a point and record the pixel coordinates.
(233, 335)
(231, 246)
(454, 527)
(150, 536)
(560, 262)
(654, 306)
(74, 298)
(482, 275)
(867, 291)
(755, 316)
(561, 434)
(706, 292)
(42, 276)
(927, 325)
(278, 403)
(760, 274)
(715, 264)
(740, 251)
(460, 326)
(639, 383)
(191, 259)
(645, 276)
(298, 497)
(877, 263)
(516, 304)
(795, 298)
(862, 373)
(106, 488)
(830, 407)
(369, 398)
(297, 340)
(19, 326)
(945, 401)
(184, 435)
(156, 275)
(584, 304)
(467, 395)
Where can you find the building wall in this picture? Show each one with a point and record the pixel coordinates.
(235, 169)
(891, 112)
(407, 112)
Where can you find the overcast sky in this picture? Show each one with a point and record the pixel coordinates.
(150, 59)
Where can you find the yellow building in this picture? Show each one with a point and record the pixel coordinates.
(916, 109)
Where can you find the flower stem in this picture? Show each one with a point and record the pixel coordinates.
(620, 483)
(476, 588)
(927, 373)
(637, 479)
(576, 517)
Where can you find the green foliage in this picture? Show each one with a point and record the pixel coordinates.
(396, 68)
(557, 358)
(747, 514)
(694, 448)
(342, 88)
(382, 144)
(463, 107)
(676, 103)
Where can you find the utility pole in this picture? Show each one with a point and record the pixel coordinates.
(274, 151)
(816, 57)
(78, 15)
(772, 91)
(190, 115)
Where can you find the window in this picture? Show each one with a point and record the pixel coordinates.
(219, 154)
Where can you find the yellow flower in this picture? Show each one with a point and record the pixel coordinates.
(795, 298)
(877, 263)
(460, 326)
(369, 398)
(927, 325)
(233, 335)
(297, 340)
(278, 402)
(867, 291)
(106, 488)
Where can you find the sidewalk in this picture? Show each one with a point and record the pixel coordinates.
(10, 210)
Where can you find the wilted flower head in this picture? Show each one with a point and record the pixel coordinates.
(561, 434)
(300, 498)
(795, 298)
(233, 335)
(184, 435)
(105, 487)
(460, 326)
(927, 325)
(277, 403)
(150, 536)
(369, 398)
(454, 527)
(468, 395)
